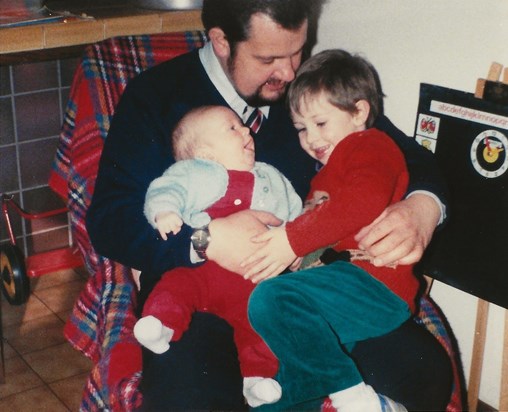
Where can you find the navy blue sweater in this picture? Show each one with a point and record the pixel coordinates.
(138, 149)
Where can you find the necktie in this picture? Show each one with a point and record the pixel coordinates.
(254, 121)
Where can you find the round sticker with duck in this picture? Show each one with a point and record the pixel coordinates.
(488, 153)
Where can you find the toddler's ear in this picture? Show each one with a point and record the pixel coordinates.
(362, 112)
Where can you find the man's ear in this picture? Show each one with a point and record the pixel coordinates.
(362, 112)
(219, 42)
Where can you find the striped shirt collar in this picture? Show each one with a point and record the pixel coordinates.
(221, 82)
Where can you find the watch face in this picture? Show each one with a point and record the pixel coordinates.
(488, 153)
(200, 239)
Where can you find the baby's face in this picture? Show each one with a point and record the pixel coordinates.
(228, 141)
(321, 126)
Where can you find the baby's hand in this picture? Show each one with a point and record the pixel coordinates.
(168, 222)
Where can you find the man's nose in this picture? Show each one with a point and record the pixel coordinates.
(287, 69)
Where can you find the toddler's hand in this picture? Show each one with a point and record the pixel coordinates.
(272, 258)
(168, 222)
(295, 266)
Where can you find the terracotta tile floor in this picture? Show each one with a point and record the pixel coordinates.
(42, 371)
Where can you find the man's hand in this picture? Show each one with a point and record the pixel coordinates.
(402, 232)
(231, 237)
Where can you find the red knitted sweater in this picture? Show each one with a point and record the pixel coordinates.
(365, 173)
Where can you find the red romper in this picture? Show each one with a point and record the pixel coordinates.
(211, 288)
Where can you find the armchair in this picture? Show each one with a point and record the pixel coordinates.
(103, 317)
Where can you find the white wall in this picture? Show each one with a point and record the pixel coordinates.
(445, 42)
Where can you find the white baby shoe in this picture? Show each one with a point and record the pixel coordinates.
(152, 334)
(260, 391)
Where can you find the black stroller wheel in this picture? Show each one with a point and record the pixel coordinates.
(15, 282)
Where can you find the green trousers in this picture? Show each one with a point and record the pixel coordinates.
(311, 319)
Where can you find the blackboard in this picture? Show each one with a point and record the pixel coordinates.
(469, 137)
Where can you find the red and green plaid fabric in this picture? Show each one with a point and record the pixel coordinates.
(101, 323)
(431, 316)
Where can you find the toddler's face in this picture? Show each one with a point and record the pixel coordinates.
(228, 141)
(321, 126)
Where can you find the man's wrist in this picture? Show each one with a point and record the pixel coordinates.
(194, 258)
(440, 205)
(200, 239)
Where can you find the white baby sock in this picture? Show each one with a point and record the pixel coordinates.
(260, 391)
(363, 398)
(152, 334)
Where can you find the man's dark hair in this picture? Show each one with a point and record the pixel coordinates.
(233, 16)
(343, 77)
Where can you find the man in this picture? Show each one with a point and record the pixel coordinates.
(254, 50)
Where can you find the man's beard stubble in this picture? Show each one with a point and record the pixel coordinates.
(255, 99)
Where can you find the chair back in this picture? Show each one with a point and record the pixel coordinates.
(99, 81)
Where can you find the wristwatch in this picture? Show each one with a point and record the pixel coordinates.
(200, 239)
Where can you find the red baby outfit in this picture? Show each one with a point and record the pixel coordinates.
(211, 288)
(365, 173)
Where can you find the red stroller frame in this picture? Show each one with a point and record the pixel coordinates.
(16, 269)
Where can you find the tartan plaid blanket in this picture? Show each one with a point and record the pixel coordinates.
(431, 316)
(101, 323)
(102, 320)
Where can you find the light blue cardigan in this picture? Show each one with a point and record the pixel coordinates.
(189, 187)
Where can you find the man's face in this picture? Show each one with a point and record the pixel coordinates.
(262, 66)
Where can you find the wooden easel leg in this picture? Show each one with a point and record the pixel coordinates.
(482, 314)
(503, 398)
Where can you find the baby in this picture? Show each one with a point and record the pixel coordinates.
(215, 175)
